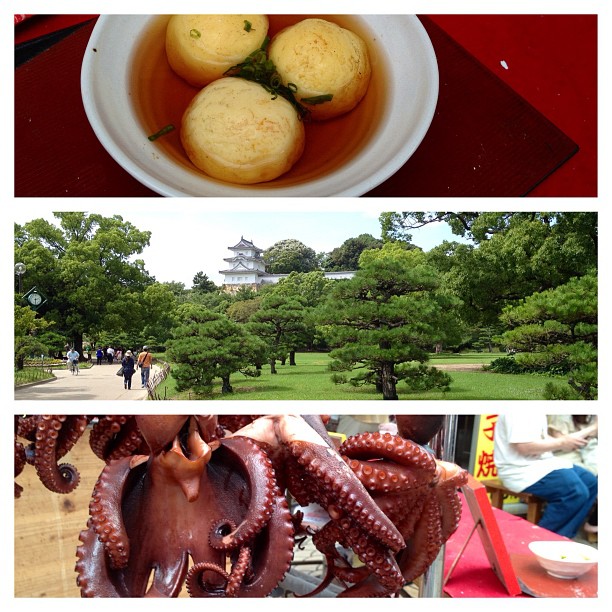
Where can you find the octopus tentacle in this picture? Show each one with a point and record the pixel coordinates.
(376, 445)
(377, 558)
(92, 572)
(197, 587)
(382, 476)
(55, 436)
(379, 577)
(25, 427)
(451, 477)
(369, 587)
(20, 461)
(261, 483)
(425, 543)
(239, 571)
(341, 492)
(337, 566)
(113, 437)
(272, 551)
(73, 427)
(408, 523)
(105, 511)
(404, 509)
(20, 458)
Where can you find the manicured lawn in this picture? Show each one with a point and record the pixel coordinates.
(310, 380)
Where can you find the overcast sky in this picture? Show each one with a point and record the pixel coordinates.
(184, 242)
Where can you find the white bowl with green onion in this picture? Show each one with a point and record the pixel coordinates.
(564, 559)
(392, 120)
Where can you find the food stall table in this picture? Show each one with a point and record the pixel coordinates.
(473, 575)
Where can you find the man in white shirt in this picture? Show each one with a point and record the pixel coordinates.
(523, 455)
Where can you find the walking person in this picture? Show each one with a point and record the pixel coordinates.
(99, 356)
(129, 367)
(110, 354)
(144, 363)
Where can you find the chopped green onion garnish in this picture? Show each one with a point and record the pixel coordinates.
(317, 99)
(259, 68)
(247, 25)
(164, 130)
(195, 33)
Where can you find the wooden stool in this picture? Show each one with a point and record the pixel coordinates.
(498, 492)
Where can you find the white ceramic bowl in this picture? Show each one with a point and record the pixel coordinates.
(401, 105)
(564, 559)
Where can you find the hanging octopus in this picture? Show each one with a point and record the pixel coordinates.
(201, 502)
(220, 504)
(416, 491)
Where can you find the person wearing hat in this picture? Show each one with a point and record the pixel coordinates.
(129, 367)
(144, 363)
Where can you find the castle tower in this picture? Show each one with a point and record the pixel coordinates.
(246, 267)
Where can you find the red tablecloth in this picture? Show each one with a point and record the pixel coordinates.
(552, 63)
(510, 115)
(473, 576)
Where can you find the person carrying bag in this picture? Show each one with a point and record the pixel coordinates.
(144, 363)
(128, 367)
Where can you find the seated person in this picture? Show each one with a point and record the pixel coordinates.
(586, 456)
(523, 454)
(562, 424)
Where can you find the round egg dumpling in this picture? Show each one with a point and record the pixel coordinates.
(200, 48)
(235, 131)
(320, 57)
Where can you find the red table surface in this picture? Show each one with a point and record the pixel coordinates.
(473, 575)
(551, 62)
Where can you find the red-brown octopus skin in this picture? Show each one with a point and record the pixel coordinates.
(116, 436)
(323, 476)
(116, 557)
(153, 513)
(55, 436)
(20, 462)
(418, 492)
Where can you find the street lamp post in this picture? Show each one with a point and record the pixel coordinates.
(20, 269)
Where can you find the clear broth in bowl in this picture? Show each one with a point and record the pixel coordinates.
(160, 98)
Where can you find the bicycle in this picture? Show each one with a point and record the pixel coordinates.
(74, 367)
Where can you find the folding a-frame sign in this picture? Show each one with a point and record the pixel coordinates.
(485, 523)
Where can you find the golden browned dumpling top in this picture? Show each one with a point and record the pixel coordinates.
(200, 48)
(321, 58)
(235, 131)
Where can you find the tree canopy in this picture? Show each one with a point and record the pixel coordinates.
(203, 284)
(85, 269)
(513, 254)
(290, 255)
(279, 322)
(208, 345)
(556, 330)
(389, 315)
(346, 256)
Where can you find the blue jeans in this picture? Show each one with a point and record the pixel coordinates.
(570, 495)
(144, 375)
